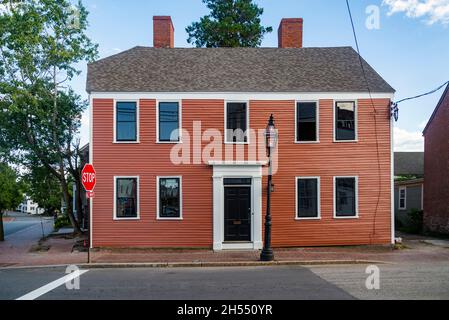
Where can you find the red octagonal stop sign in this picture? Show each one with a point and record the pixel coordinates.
(88, 177)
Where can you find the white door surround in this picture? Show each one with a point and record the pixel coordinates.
(250, 169)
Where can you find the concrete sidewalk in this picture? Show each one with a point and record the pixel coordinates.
(60, 252)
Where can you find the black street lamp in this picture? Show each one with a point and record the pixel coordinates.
(271, 138)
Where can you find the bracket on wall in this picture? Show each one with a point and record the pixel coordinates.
(394, 111)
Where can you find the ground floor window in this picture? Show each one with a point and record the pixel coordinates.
(126, 197)
(402, 198)
(169, 198)
(345, 197)
(307, 193)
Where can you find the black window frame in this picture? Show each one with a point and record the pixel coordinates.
(228, 122)
(337, 198)
(136, 215)
(160, 208)
(118, 122)
(316, 198)
(178, 120)
(298, 122)
(337, 121)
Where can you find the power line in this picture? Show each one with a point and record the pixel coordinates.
(379, 168)
(424, 94)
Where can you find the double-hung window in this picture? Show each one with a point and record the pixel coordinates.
(126, 122)
(345, 197)
(127, 202)
(345, 121)
(306, 122)
(236, 122)
(169, 198)
(169, 122)
(308, 198)
(402, 198)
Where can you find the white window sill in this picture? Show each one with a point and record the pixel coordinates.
(126, 219)
(345, 218)
(237, 143)
(307, 142)
(169, 219)
(126, 142)
(305, 219)
(169, 142)
(346, 141)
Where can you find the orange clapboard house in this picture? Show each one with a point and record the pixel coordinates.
(180, 159)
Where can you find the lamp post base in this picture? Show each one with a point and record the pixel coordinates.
(267, 255)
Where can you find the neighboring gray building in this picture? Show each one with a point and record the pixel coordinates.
(409, 184)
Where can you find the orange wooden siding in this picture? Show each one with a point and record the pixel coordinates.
(325, 159)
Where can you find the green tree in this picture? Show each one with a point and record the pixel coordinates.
(43, 188)
(40, 44)
(10, 192)
(231, 23)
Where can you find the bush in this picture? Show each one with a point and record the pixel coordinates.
(416, 221)
(62, 221)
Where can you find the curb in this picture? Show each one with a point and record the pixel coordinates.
(128, 265)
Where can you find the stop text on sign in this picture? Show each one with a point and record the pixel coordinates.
(88, 177)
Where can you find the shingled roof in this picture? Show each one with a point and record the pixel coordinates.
(143, 69)
(409, 163)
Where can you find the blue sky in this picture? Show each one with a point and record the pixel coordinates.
(410, 49)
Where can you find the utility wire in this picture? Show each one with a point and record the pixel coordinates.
(379, 168)
(424, 94)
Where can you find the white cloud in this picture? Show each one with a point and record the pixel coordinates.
(422, 125)
(408, 141)
(432, 11)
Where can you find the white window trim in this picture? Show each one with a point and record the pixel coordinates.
(115, 198)
(356, 197)
(137, 102)
(179, 102)
(318, 198)
(405, 198)
(158, 217)
(226, 122)
(356, 121)
(317, 106)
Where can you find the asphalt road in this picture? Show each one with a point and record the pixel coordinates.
(23, 222)
(177, 283)
(398, 281)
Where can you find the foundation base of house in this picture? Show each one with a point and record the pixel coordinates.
(219, 246)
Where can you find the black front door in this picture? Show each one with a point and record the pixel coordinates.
(237, 214)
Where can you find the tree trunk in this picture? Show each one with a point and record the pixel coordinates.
(69, 209)
(2, 234)
(78, 199)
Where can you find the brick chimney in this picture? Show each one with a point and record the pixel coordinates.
(290, 33)
(163, 32)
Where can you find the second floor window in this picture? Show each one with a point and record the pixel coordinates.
(126, 121)
(306, 122)
(345, 122)
(168, 122)
(236, 122)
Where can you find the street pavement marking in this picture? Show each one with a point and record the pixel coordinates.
(51, 286)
